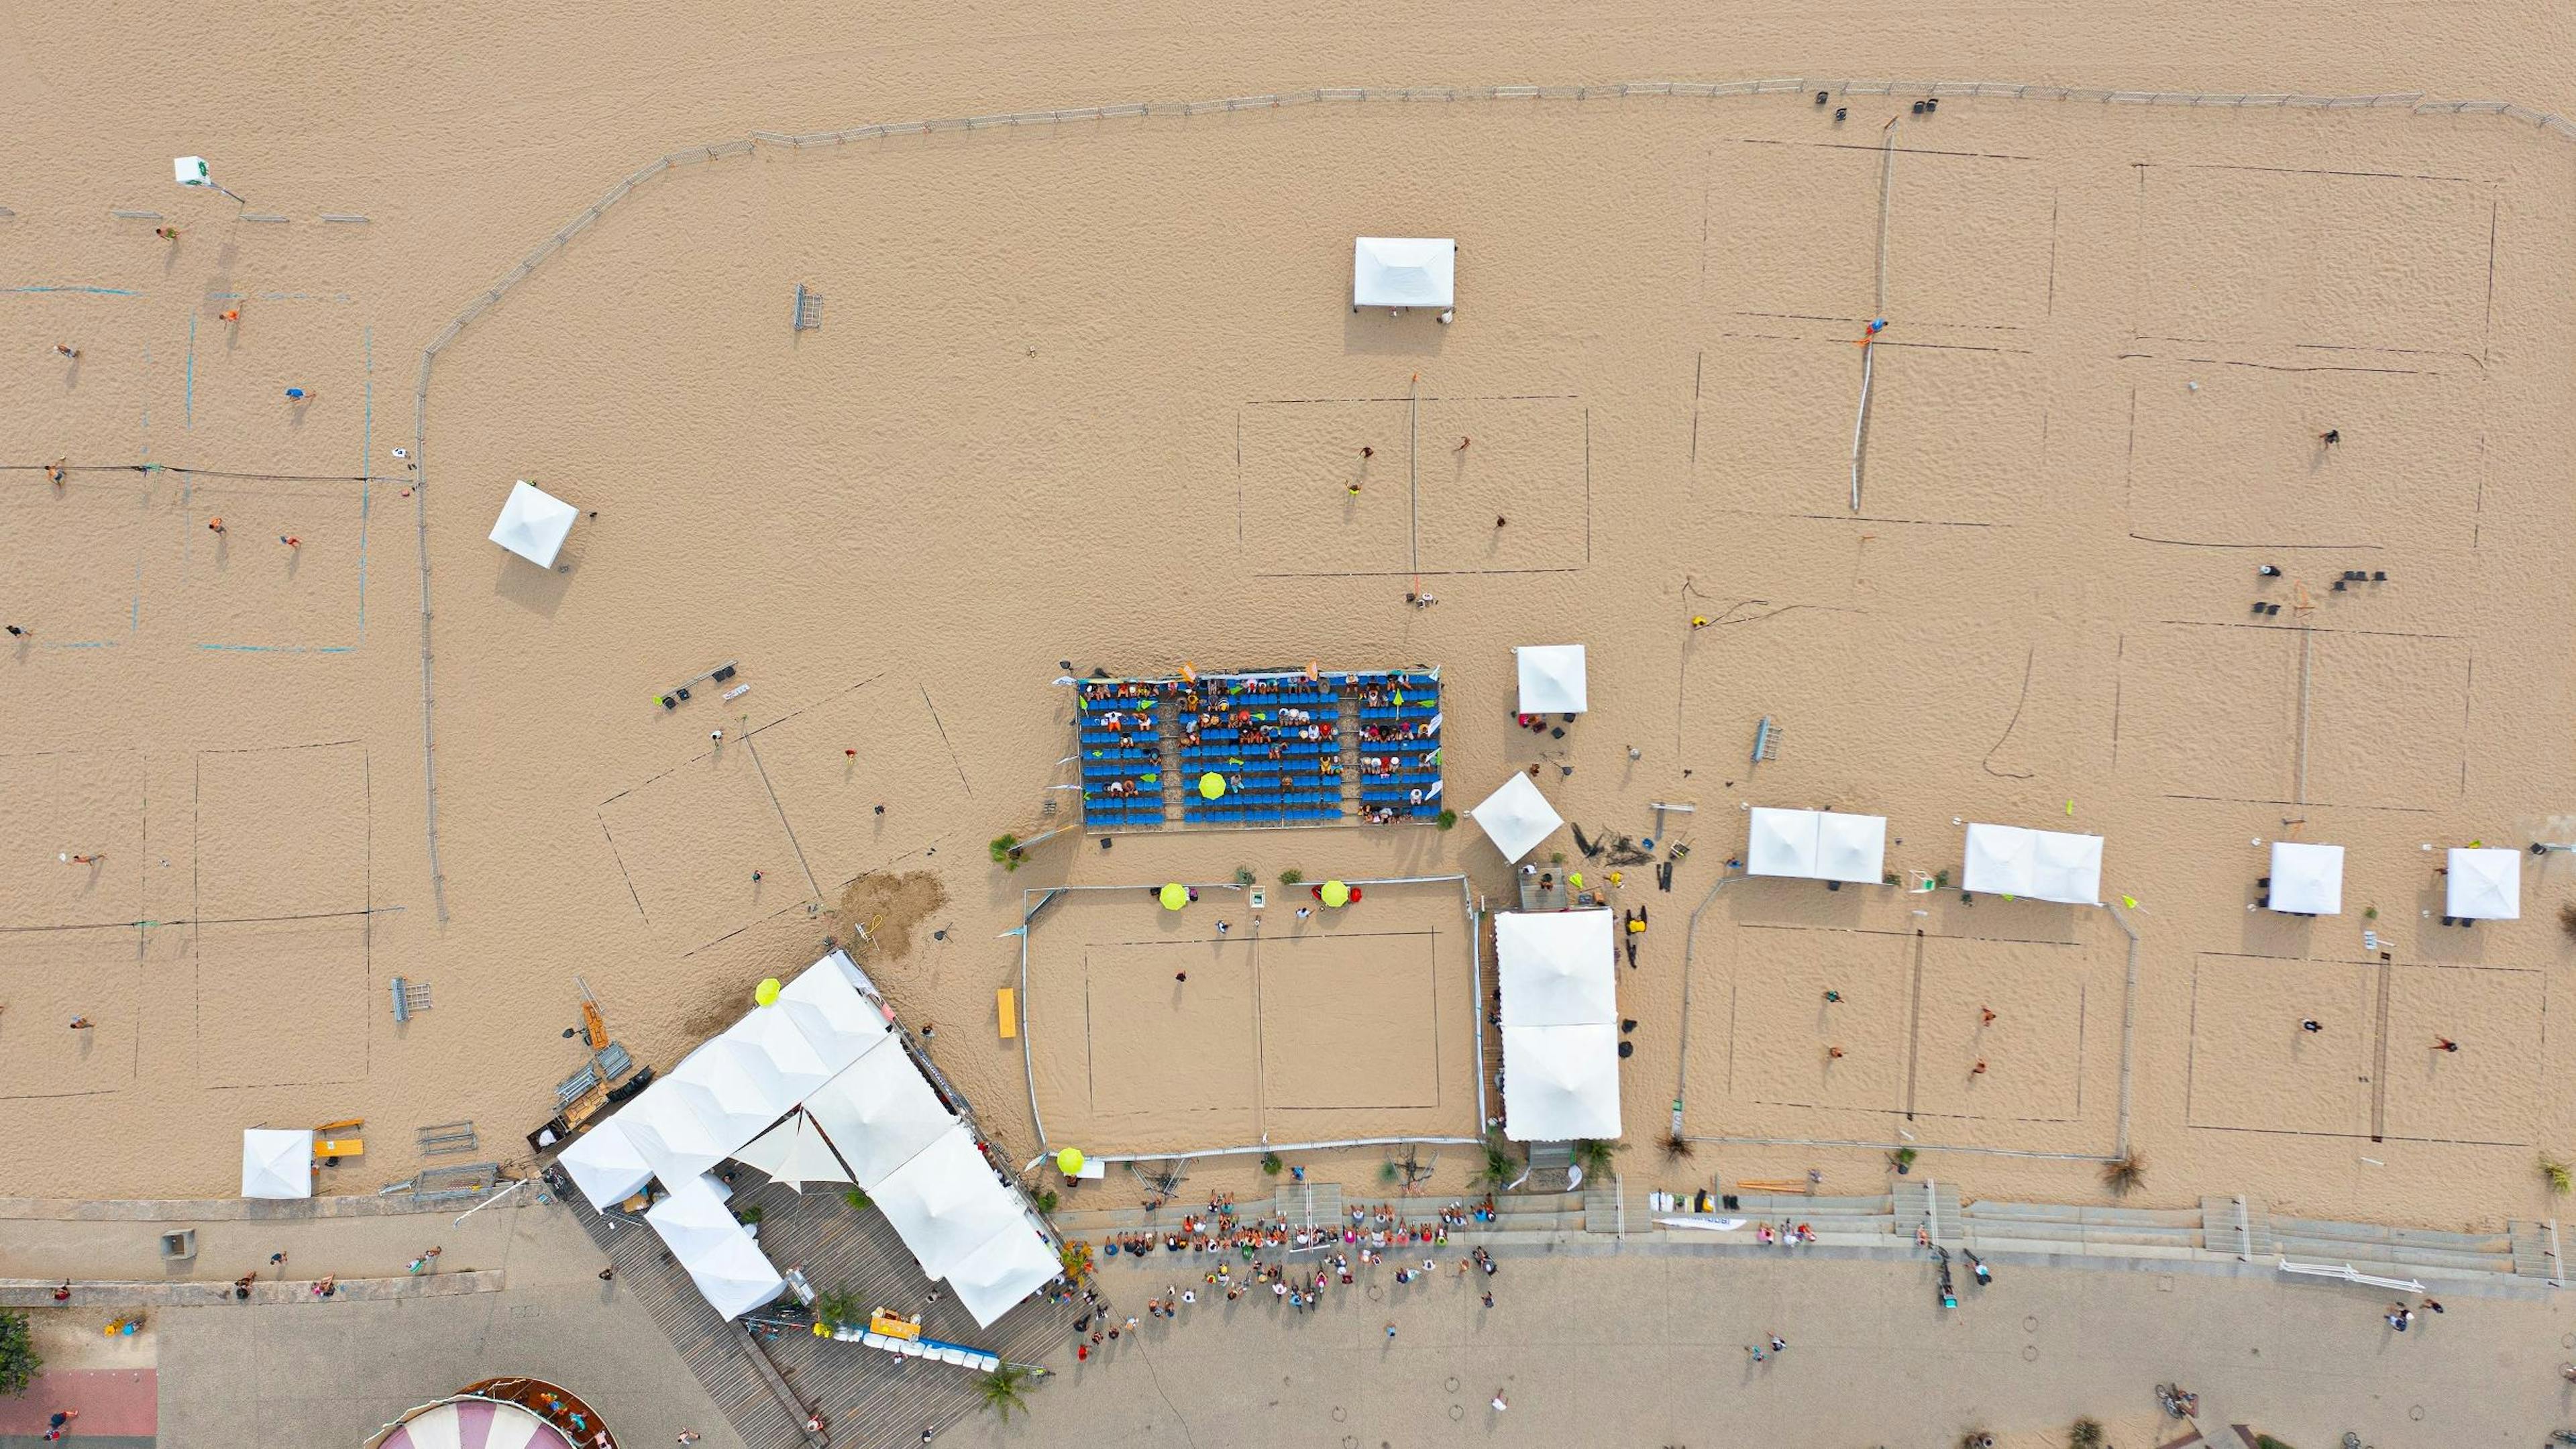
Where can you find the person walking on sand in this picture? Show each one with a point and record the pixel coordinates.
(16, 632)
(2311, 1025)
(2445, 1044)
(1499, 1405)
(1462, 445)
(2330, 437)
(233, 314)
(214, 525)
(55, 470)
(67, 350)
(1367, 452)
(290, 540)
(82, 1023)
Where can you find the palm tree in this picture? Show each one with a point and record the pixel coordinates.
(1500, 1166)
(1006, 1388)
(837, 1307)
(2125, 1175)
(1594, 1156)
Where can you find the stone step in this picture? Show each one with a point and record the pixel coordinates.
(2370, 1257)
(2237, 1226)
(2533, 1256)
(1991, 1246)
(2317, 1230)
(2071, 1213)
(1978, 1232)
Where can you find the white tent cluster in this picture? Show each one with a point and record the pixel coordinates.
(2045, 865)
(1560, 1024)
(1517, 817)
(1817, 845)
(816, 1088)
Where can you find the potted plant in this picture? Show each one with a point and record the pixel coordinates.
(1902, 1159)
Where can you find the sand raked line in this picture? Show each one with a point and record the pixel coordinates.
(2415, 102)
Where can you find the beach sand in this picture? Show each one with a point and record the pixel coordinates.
(1093, 393)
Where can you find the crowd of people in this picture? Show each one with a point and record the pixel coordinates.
(1237, 1255)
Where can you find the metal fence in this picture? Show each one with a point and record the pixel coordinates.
(2414, 102)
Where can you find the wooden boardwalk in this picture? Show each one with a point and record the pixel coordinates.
(867, 1397)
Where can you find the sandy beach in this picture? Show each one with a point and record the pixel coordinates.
(1091, 394)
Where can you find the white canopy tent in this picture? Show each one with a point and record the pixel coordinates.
(794, 1152)
(1560, 1082)
(1551, 678)
(277, 1163)
(1781, 842)
(2484, 885)
(731, 1272)
(2307, 880)
(534, 524)
(1517, 817)
(1816, 845)
(606, 1164)
(1851, 847)
(826, 1006)
(879, 1114)
(1404, 271)
(1556, 968)
(946, 1203)
(2045, 865)
(1005, 1270)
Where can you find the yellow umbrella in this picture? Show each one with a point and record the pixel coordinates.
(1069, 1161)
(767, 992)
(1212, 785)
(1175, 896)
(1336, 894)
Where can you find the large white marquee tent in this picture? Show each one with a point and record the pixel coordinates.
(1817, 845)
(2046, 865)
(1559, 973)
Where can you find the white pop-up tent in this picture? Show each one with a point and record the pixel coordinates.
(1561, 1082)
(996, 1276)
(1557, 968)
(277, 1163)
(2307, 880)
(1551, 678)
(1517, 817)
(606, 1164)
(2483, 885)
(534, 524)
(1816, 845)
(879, 1113)
(1404, 271)
(946, 1203)
(731, 1272)
(2046, 865)
(795, 1153)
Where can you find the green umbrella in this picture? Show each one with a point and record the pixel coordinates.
(1212, 785)
(1175, 896)
(1336, 894)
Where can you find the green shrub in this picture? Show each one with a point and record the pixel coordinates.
(1291, 877)
(1270, 1163)
(19, 1361)
(1448, 819)
(1005, 851)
